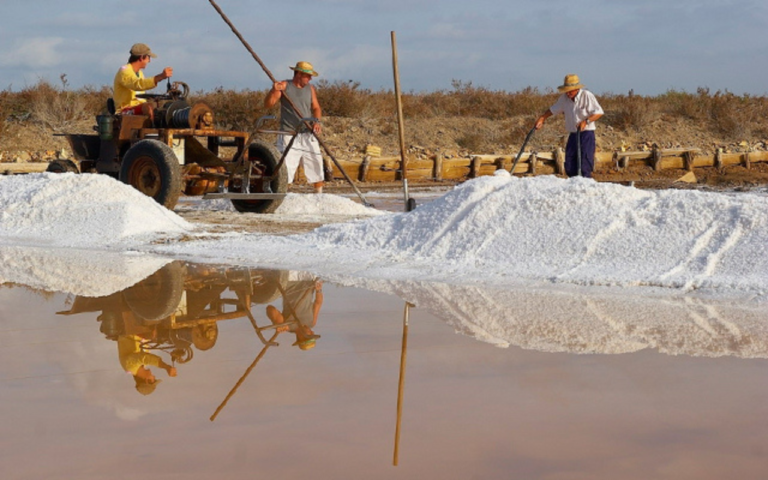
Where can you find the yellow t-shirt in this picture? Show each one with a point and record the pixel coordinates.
(127, 84)
(132, 356)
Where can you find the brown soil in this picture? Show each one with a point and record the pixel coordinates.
(459, 137)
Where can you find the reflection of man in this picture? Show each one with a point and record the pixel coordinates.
(135, 361)
(302, 301)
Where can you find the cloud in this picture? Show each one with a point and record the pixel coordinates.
(39, 52)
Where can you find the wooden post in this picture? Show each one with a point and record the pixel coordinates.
(747, 161)
(688, 159)
(624, 162)
(364, 167)
(656, 159)
(437, 172)
(328, 167)
(533, 161)
(560, 161)
(719, 159)
(399, 101)
(475, 169)
(501, 163)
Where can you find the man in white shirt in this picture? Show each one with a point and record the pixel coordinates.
(581, 111)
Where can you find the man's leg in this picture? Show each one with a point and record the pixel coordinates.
(313, 162)
(293, 157)
(571, 168)
(587, 153)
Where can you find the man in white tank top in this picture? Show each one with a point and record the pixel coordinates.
(305, 150)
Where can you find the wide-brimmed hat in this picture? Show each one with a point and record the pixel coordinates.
(305, 67)
(141, 49)
(307, 342)
(570, 83)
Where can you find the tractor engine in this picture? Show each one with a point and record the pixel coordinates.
(173, 111)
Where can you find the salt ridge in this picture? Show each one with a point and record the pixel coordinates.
(498, 229)
(80, 211)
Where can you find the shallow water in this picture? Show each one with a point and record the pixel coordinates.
(591, 384)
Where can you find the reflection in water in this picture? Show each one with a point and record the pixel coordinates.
(590, 320)
(174, 312)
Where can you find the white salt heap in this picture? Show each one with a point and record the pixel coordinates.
(500, 229)
(294, 205)
(79, 211)
(492, 230)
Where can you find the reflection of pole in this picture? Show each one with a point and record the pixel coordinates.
(245, 375)
(401, 383)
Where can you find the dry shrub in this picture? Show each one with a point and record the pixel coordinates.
(683, 104)
(56, 108)
(730, 115)
(235, 109)
(629, 112)
(471, 141)
(345, 99)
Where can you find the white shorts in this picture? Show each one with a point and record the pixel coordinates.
(305, 151)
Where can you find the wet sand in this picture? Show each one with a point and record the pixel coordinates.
(470, 409)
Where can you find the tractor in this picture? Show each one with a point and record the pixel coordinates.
(181, 152)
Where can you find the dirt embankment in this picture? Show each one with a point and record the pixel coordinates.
(454, 137)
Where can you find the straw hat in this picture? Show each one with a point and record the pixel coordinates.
(570, 83)
(305, 67)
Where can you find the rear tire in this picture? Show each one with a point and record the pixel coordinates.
(152, 168)
(62, 166)
(263, 160)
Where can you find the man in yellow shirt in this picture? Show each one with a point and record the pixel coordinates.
(135, 360)
(130, 80)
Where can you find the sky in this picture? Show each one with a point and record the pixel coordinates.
(648, 46)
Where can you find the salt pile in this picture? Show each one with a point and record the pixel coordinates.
(501, 229)
(79, 211)
(298, 205)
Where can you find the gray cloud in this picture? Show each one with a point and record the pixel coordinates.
(646, 45)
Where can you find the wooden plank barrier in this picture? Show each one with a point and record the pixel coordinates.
(385, 169)
(16, 168)
(379, 169)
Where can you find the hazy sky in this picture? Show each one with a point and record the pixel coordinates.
(650, 46)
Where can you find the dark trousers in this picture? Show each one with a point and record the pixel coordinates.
(587, 154)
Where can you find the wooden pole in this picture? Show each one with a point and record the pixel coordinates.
(293, 106)
(400, 125)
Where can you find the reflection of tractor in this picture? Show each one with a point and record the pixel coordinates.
(165, 157)
(178, 306)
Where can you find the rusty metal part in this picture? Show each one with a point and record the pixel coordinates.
(201, 116)
(201, 180)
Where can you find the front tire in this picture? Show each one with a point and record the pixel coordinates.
(152, 168)
(263, 161)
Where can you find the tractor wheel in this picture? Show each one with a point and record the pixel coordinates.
(263, 159)
(157, 296)
(62, 166)
(152, 168)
